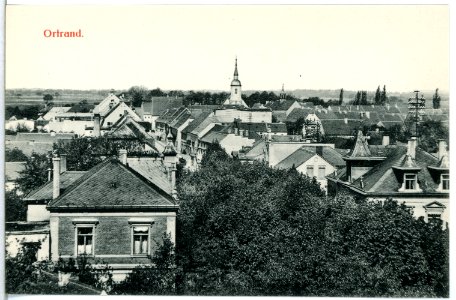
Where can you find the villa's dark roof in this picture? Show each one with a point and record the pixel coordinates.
(44, 192)
(112, 186)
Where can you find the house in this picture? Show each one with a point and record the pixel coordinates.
(129, 200)
(314, 161)
(127, 130)
(407, 174)
(111, 202)
(151, 110)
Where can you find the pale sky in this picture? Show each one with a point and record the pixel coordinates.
(405, 47)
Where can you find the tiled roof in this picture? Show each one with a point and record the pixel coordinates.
(198, 120)
(213, 136)
(112, 186)
(296, 158)
(77, 108)
(382, 179)
(280, 104)
(54, 111)
(304, 153)
(257, 151)
(44, 192)
(361, 148)
(278, 127)
(12, 169)
(129, 128)
(340, 128)
(152, 169)
(157, 105)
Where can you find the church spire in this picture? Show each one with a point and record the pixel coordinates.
(235, 69)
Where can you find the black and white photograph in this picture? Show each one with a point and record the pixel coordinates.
(227, 150)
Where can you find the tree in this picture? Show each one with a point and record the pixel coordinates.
(436, 99)
(295, 127)
(357, 100)
(253, 230)
(383, 97)
(15, 155)
(48, 100)
(15, 207)
(363, 100)
(137, 94)
(35, 172)
(341, 96)
(159, 279)
(157, 93)
(378, 95)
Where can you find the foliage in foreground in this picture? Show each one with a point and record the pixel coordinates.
(252, 230)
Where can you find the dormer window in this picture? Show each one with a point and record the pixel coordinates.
(445, 182)
(410, 182)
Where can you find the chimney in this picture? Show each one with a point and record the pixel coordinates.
(246, 133)
(345, 120)
(96, 125)
(442, 149)
(123, 156)
(49, 171)
(411, 147)
(241, 132)
(319, 150)
(385, 140)
(236, 131)
(63, 163)
(368, 114)
(173, 180)
(56, 180)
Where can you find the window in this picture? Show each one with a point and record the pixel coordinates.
(445, 180)
(310, 171)
(84, 240)
(435, 218)
(235, 91)
(410, 181)
(321, 172)
(140, 240)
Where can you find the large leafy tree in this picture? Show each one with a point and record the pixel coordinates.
(35, 172)
(252, 230)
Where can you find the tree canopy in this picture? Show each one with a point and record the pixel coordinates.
(252, 230)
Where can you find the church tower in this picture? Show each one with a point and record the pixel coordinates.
(236, 88)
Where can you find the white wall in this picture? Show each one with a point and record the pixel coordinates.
(234, 142)
(77, 127)
(12, 125)
(418, 206)
(37, 212)
(316, 161)
(115, 115)
(14, 243)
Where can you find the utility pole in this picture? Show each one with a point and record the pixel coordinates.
(416, 107)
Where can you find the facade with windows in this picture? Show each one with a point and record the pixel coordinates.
(113, 215)
(407, 174)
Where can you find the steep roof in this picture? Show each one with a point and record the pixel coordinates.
(54, 111)
(340, 128)
(382, 178)
(115, 187)
(304, 153)
(152, 169)
(127, 127)
(44, 192)
(198, 120)
(361, 148)
(157, 105)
